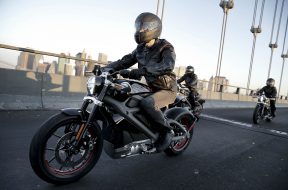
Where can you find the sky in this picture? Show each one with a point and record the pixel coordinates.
(193, 27)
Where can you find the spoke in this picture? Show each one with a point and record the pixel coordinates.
(56, 135)
(51, 159)
(51, 149)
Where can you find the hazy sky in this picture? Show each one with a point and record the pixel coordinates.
(107, 26)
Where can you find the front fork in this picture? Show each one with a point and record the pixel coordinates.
(86, 121)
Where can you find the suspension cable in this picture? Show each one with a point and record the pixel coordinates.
(275, 45)
(285, 35)
(157, 10)
(163, 6)
(280, 21)
(226, 6)
(254, 14)
(261, 15)
(273, 23)
(283, 57)
(254, 31)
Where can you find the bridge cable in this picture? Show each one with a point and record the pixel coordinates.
(254, 30)
(274, 45)
(283, 57)
(226, 6)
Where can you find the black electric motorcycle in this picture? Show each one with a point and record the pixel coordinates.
(69, 144)
(262, 110)
(182, 101)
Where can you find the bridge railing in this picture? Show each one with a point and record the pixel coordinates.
(44, 64)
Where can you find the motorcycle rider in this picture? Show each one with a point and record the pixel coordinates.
(190, 79)
(156, 60)
(270, 92)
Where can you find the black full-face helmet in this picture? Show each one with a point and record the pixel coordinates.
(270, 82)
(189, 69)
(148, 26)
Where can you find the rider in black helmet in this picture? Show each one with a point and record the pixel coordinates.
(156, 60)
(190, 79)
(270, 92)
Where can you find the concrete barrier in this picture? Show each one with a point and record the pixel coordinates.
(29, 90)
(60, 91)
(20, 90)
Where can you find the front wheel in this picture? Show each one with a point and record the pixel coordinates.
(53, 154)
(257, 115)
(197, 109)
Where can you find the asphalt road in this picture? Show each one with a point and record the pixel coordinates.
(222, 155)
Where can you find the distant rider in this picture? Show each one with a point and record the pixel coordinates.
(190, 79)
(270, 92)
(156, 60)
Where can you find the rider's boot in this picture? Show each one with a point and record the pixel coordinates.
(165, 138)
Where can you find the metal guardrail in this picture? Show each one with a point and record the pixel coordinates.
(4, 46)
(221, 86)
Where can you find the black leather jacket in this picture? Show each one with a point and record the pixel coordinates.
(270, 92)
(190, 80)
(158, 61)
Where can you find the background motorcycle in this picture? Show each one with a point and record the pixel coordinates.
(182, 101)
(262, 110)
(69, 144)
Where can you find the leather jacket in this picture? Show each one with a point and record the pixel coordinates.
(158, 62)
(270, 92)
(190, 80)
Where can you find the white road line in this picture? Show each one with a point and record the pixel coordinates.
(227, 120)
(279, 132)
(243, 124)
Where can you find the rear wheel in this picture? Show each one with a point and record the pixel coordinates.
(53, 154)
(178, 147)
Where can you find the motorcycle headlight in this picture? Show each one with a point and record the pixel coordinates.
(91, 84)
(261, 99)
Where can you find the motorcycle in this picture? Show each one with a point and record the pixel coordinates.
(69, 144)
(262, 110)
(182, 101)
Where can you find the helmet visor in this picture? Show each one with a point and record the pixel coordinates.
(270, 83)
(143, 26)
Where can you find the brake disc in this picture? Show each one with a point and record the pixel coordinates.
(66, 154)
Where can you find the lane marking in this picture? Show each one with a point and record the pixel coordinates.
(248, 125)
(278, 132)
(227, 120)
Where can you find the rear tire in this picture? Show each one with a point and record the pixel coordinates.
(47, 159)
(179, 147)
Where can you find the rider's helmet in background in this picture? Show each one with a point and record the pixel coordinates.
(189, 69)
(148, 26)
(270, 82)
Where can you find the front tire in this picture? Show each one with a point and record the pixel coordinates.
(52, 156)
(257, 115)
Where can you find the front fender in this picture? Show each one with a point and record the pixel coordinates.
(75, 112)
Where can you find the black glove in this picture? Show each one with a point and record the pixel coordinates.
(124, 73)
(137, 73)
